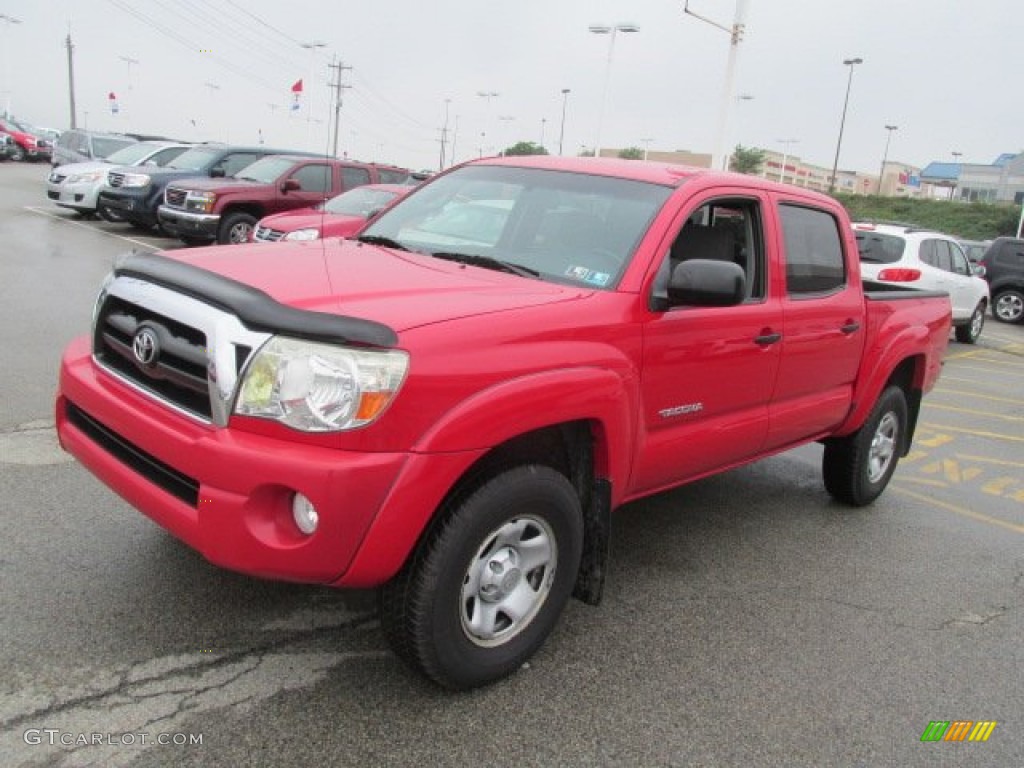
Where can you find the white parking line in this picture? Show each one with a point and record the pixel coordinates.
(49, 215)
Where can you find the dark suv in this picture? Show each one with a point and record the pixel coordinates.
(1004, 270)
(134, 194)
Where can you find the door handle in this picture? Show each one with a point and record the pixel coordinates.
(850, 328)
(765, 339)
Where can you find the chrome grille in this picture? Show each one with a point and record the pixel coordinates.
(178, 372)
(115, 179)
(176, 197)
(267, 235)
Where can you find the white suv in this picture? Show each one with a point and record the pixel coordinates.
(891, 253)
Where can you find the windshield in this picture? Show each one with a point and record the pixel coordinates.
(266, 169)
(567, 227)
(103, 147)
(876, 248)
(132, 154)
(195, 159)
(359, 201)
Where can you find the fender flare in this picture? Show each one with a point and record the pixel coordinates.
(466, 433)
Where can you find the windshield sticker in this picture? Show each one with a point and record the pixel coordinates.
(590, 276)
(598, 278)
(577, 273)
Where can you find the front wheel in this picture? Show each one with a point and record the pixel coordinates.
(1008, 306)
(236, 228)
(856, 468)
(486, 586)
(968, 334)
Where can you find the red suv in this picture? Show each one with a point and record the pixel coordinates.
(28, 146)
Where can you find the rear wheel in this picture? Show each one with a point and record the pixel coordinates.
(968, 334)
(1008, 306)
(486, 586)
(19, 154)
(856, 468)
(236, 228)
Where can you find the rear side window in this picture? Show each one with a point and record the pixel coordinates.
(814, 251)
(392, 177)
(354, 177)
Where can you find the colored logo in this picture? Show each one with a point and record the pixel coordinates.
(958, 730)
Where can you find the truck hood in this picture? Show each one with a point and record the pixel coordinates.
(400, 289)
(220, 185)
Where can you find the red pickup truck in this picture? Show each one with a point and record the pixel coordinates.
(452, 404)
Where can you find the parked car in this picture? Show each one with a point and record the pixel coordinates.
(78, 146)
(8, 149)
(201, 211)
(891, 253)
(457, 423)
(974, 249)
(77, 185)
(341, 216)
(29, 145)
(133, 195)
(1004, 271)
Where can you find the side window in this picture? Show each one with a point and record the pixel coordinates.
(232, 164)
(314, 178)
(392, 177)
(164, 156)
(958, 261)
(354, 177)
(942, 257)
(720, 230)
(929, 253)
(814, 251)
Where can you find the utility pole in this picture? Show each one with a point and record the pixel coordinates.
(71, 77)
(444, 134)
(338, 86)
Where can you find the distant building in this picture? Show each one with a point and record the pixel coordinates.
(1001, 181)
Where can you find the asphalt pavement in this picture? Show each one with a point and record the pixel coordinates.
(748, 620)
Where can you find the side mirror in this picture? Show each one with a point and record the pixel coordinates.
(290, 185)
(978, 269)
(217, 173)
(707, 283)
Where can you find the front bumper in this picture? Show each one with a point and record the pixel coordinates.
(188, 224)
(225, 492)
(80, 196)
(127, 206)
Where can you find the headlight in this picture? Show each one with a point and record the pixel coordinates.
(135, 180)
(317, 387)
(200, 201)
(92, 176)
(303, 234)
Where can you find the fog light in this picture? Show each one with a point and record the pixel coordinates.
(304, 514)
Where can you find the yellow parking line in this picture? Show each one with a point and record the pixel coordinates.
(1000, 363)
(924, 481)
(962, 355)
(944, 391)
(964, 512)
(975, 432)
(986, 460)
(972, 412)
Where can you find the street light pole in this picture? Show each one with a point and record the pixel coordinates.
(647, 146)
(487, 96)
(851, 63)
(785, 156)
(885, 155)
(603, 29)
(8, 21)
(561, 131)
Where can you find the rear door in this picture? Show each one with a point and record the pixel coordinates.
(823, 327)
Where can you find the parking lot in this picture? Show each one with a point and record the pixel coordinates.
(748, 619)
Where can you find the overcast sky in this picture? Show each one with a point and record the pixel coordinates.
(946, 72)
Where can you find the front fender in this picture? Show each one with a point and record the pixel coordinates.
(465, 434)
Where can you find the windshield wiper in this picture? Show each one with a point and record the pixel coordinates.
(387, 242)
(487, 262)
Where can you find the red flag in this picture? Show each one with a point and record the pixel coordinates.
(297, 88)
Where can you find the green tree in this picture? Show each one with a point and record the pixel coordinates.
(525, 148)
(746, 160)
(631, 153)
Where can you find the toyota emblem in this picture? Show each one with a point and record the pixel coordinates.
(145, 346)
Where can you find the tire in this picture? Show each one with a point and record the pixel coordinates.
(857, 468)
(1008, 306)
(969, 333)
(109, 214)
(467, 608)
(19, 155)
(236, 228)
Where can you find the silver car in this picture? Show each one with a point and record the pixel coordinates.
(77, 186)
